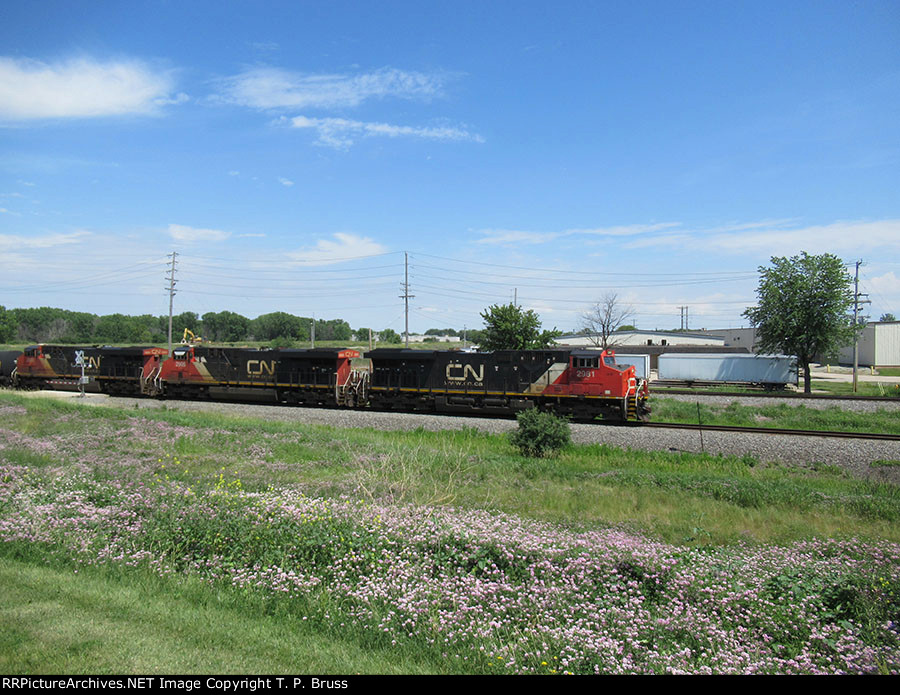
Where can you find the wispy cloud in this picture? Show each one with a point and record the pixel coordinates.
(341, 133)
(285, 182)
(776, 239)
(342, 247)
(81, 88)
(506, 236)
(181, 232)
(275, 88)
(11, 242)
(515, 236)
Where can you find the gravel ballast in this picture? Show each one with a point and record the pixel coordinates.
(855, 456)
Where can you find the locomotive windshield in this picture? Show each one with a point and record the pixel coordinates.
(611, 362)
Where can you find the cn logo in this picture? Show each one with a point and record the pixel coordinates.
(459, 372)
(260, 367)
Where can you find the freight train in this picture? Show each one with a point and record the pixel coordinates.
(584, 385)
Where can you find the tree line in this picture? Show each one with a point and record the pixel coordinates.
(51, 325)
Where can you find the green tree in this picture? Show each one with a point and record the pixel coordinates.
(225, 326)
(509, 327)
(7, 325)
(803, 308)
(389, 335)
(278, 324)
(888, 317)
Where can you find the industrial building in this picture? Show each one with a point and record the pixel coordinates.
(638, 337)
(879, 346)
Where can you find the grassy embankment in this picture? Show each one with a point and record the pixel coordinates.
(168, 514)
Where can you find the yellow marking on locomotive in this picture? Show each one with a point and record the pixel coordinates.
(262, 367)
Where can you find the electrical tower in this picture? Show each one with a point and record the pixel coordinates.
(856, 302)
(406, 296)
(171, 290)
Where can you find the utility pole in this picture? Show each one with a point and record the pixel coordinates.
(312, 332)
(856, 302)
(406, 296)
(171, 289)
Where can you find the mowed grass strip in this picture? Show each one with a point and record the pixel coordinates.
(53, 620)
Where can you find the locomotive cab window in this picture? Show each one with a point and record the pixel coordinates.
(585, 362)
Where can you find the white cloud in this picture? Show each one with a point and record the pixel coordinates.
(285, 182)
(9, 242)
(344, 247)
(505, 236)
(887, 284)
(81, 88)
(181, 232)
(341, 133)
(623, 230)
(513, 236)
(777, 239)
(852, 237)
(274, 88)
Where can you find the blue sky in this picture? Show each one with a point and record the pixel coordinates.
(291, 153)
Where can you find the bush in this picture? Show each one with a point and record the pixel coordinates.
(540, 434)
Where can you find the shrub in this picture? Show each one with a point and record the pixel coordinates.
(540, 434)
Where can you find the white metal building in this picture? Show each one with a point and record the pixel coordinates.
(634, 338)
(879, 345)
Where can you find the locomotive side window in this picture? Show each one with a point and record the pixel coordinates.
(586, 362)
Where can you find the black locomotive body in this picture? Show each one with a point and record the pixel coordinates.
(579, 383)
(112, 370)
(8, 360)
(286, 375)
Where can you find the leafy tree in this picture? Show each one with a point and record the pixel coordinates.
(475, 336)
(626, 327)
(361, 334)
(225, 326)
(278, 324)
(888, 317)
(441, 331)
(604, 319)
(7, 325)
(389, 335)
(335, 329)
(509, 327)
(804, 308)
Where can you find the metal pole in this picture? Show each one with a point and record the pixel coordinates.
(406, 294)
(171, 296)
(855, 324)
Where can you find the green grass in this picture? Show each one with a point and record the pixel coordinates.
(117, 619)
(680, 498)
(781, 416)
(845, 388)
(60, 619)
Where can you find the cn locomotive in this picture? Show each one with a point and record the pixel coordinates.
(584, 385)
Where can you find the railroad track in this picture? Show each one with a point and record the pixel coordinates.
(662, 392)
(772, 430)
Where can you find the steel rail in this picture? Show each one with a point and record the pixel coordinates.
(771, 430)
(661, 392)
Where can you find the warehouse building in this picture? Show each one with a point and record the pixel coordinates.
(643, 338)
(879, 345)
